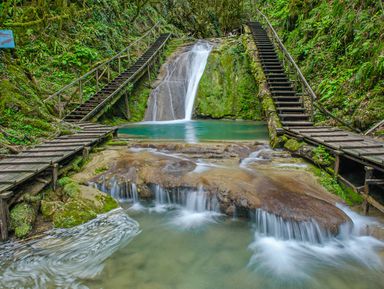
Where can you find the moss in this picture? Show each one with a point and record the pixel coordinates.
(49, 208)
(100, 170)
(332, 185)
(117, 143)
(22, 217)
(71, 190)
(109, 203)
(227, 88)
(73, 213)
(64, 181)
(293, 145)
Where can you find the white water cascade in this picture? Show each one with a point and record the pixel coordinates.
(174, 96)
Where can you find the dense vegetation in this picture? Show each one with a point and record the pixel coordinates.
(56, 42)
(340, 47)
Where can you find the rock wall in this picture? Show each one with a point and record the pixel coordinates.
(228, 89)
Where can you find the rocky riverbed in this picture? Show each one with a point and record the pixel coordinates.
(243, 176)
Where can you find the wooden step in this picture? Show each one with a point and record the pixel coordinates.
(297, 123)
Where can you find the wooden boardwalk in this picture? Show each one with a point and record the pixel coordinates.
(110, 93)
(359, 160)
(50, 156)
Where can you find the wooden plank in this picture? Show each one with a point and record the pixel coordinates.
(4, 171)
(333, 134)
(335, 140)
(21, 156)
(52, 150)
(360, 146)
(26, 162)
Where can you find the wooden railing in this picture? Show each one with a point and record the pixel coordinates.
(80, 89)
(309, 97)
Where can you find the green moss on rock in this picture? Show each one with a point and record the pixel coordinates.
(73, 213)
(227, 88)
(22, 217)
(293, 145)
(49, 208)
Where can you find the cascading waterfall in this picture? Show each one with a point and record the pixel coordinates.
(290, 249)
(271, 225)
(174, 97)
(121, 191)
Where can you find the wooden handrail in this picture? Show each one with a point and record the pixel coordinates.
(303, 80)
(76, 81)
(373, 128)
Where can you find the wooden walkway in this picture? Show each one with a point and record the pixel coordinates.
(50, 156)
(110, 93)
(359, 159)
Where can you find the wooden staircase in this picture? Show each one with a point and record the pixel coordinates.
(288, 103)
(106, 96)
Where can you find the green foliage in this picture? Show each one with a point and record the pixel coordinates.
(206, 18)
(322, 157)
(333, 186)
(73, 213)
(339, 45)
(227, 88)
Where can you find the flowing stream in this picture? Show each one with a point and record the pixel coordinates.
(174, 97)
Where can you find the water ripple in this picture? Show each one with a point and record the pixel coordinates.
(63, 258)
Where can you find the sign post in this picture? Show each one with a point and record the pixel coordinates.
(6, 39)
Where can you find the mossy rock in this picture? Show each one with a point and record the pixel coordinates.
(80, 209)
(22, 217)
(227, 88)
(73, 213)
(49, 208)
(293, 145)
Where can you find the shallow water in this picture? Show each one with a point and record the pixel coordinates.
(197, 130)
(185, 247)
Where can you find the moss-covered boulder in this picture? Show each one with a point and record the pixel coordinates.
(227, 88)
(22, 217)
(82, 204)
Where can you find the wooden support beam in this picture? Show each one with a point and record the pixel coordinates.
(86, 151)
(328, 135)
(55, 175)
(4, 215)
(337, 162)
(368, 175)
(376, 153)
(375, 181)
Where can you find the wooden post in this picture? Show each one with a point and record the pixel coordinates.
(4, 215)
(119, 59)
(60, 110)
(336, 168)
(368, 175)
(86, 151)
(127, 112)
(55, 175)
(81, 91)
(97, 80)
(109, 72)
(149, 74)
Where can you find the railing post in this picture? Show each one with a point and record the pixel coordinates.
(109, 72)
(4, 215)
(97, 79)
(60, 108)
(81, 90)
(119, 61)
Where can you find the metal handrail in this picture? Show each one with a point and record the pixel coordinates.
(304, 82)
(80, 81)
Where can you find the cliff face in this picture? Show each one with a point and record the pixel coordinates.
(227, 88)
(339, 45)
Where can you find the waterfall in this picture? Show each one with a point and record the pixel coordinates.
(174, 96)
(125, 191)
(275, 226)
